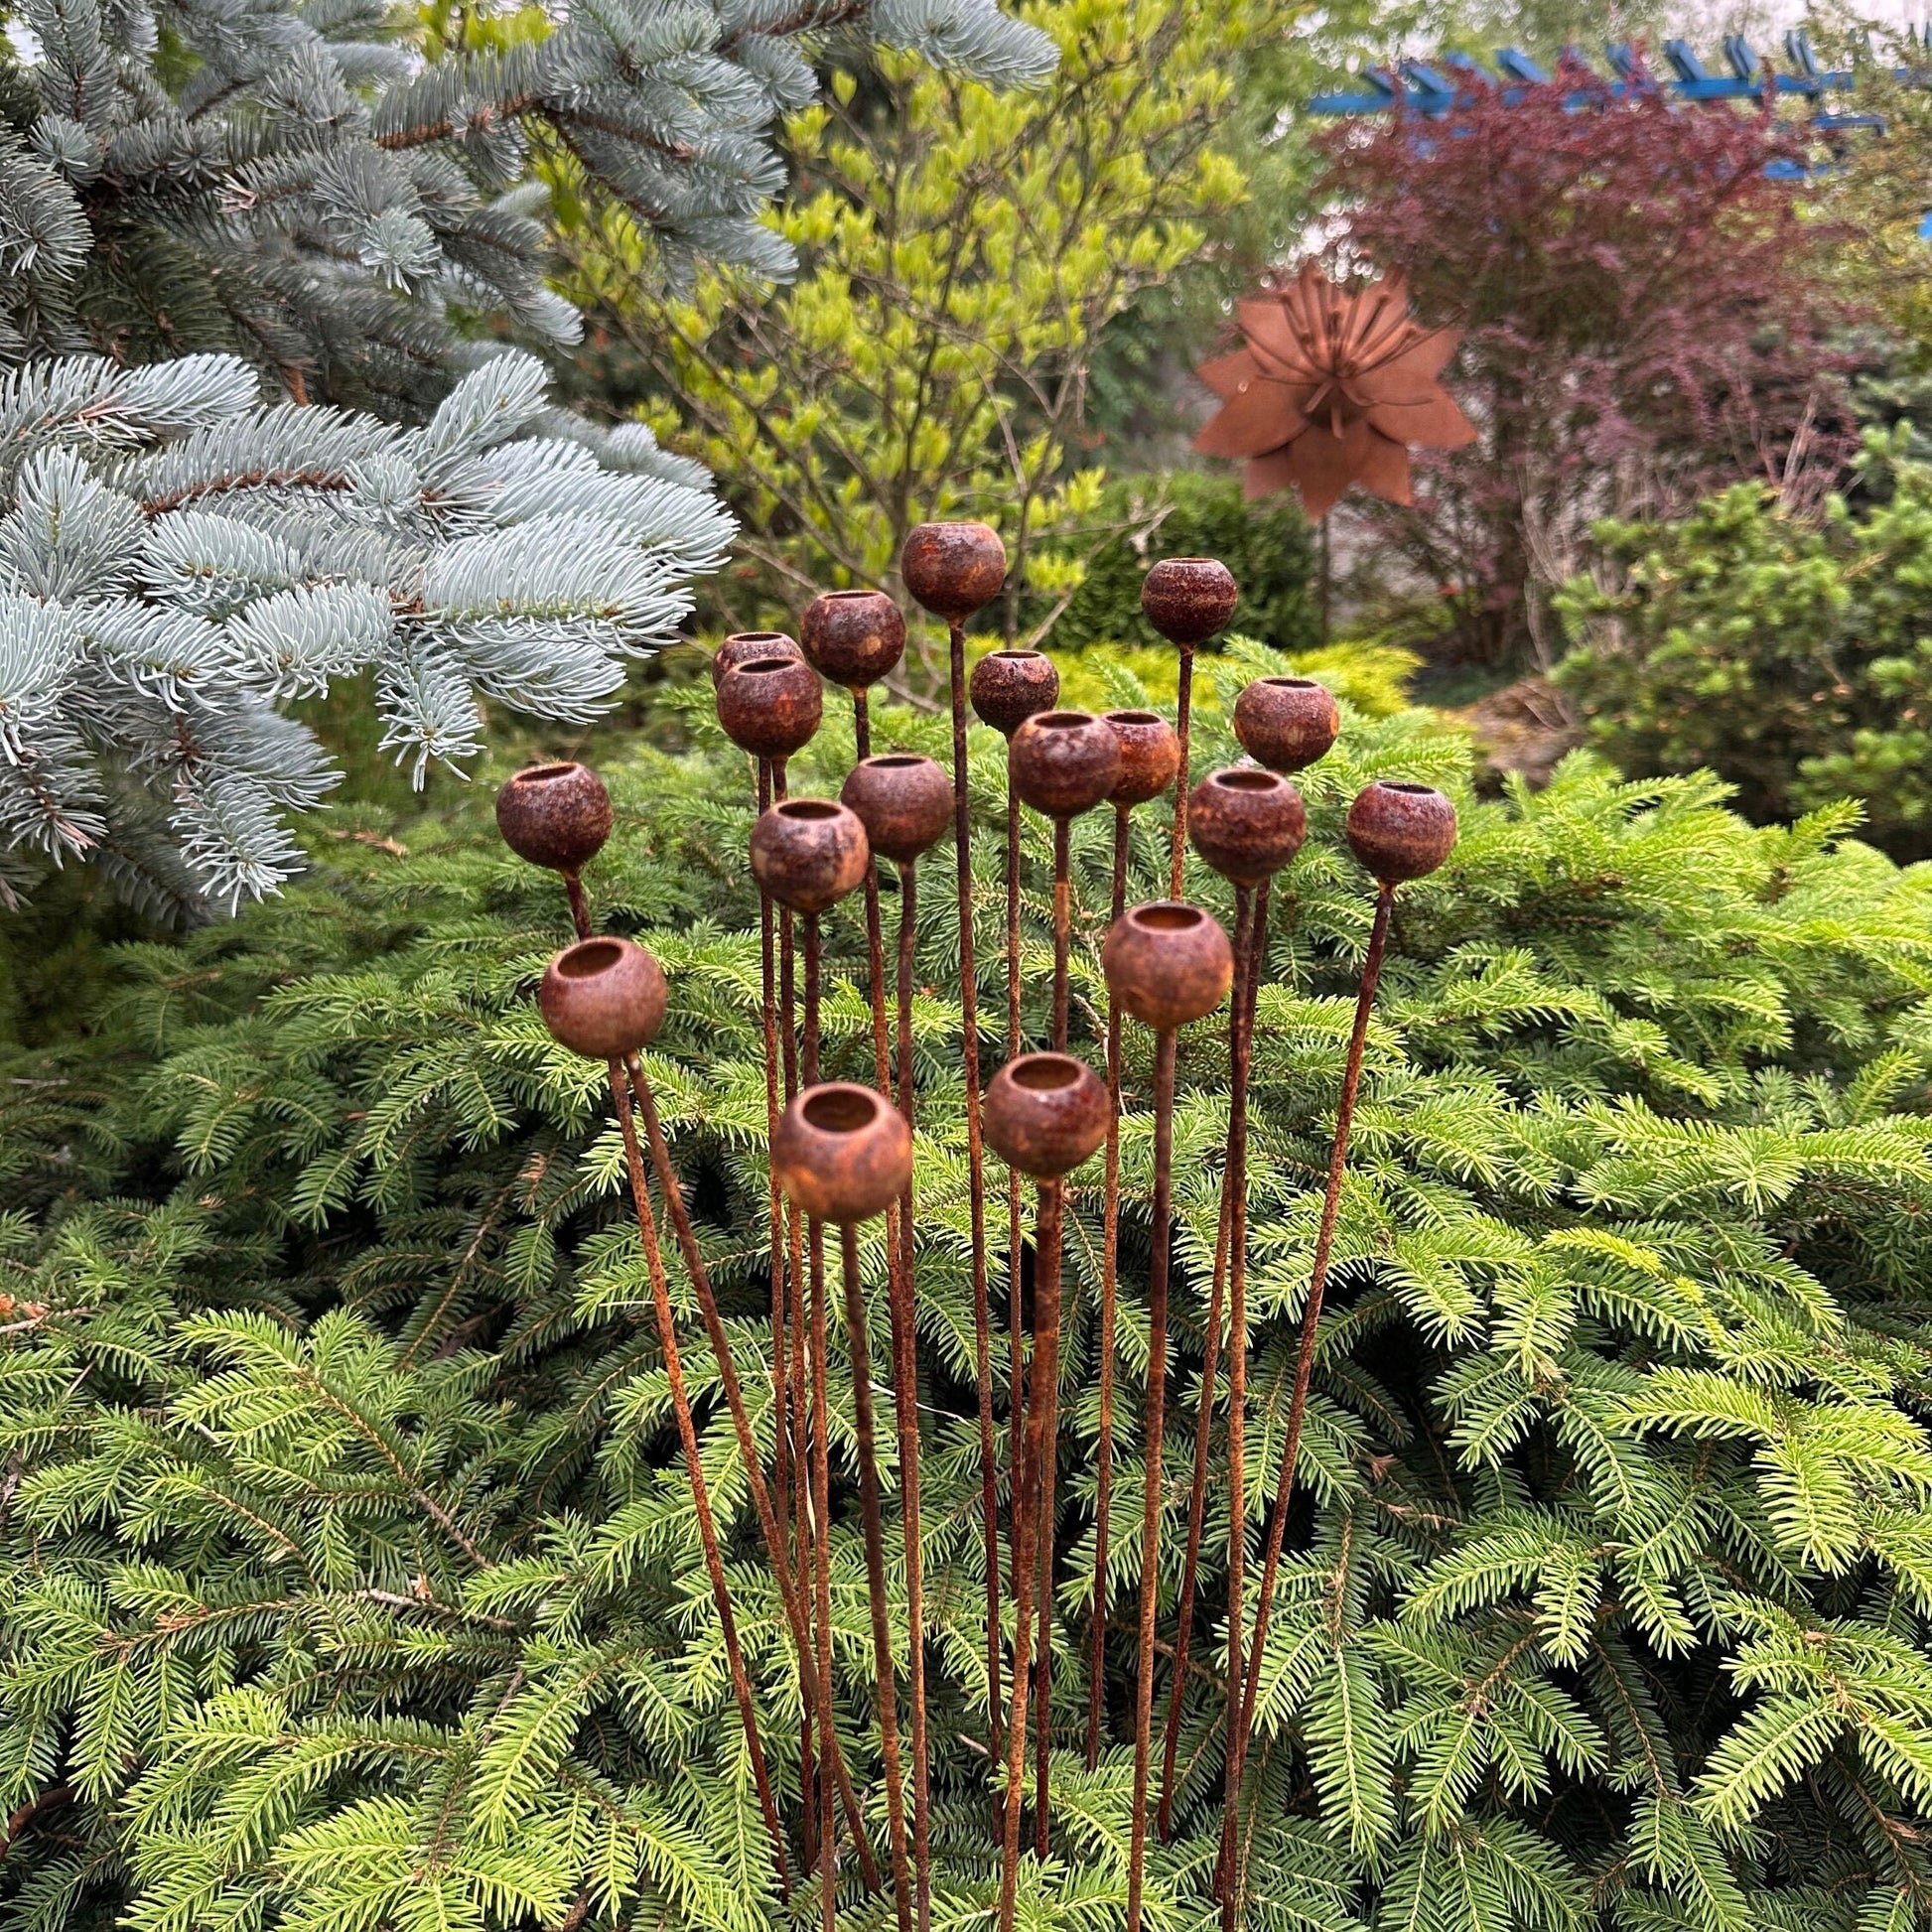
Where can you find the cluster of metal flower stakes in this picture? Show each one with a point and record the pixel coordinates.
(842, 1154)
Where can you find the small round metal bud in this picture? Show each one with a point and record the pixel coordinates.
(1187, 598)
(1286, 723)
(602, 998)
(1399, 830)
(904, 802)
(808, 853)
(853, 637)
(1010, 686)
(1066, 762)
(1150, 755)
(1247, 824)
(770, 706)
(744, 646)
(954, 569)
(1045, 1113)
(1167, 963)
(842, 1153)
(555, 815)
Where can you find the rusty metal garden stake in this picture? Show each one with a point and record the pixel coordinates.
(1187, 599)
(955, 570)
(1399, 832)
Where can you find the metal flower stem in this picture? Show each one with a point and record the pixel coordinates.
(1242, 1727)
(1184, 705)
(883, 1681)
(906, 1381)
(1047, 1300)
(1016, 1212)
(975, 1163)
(821, 1482)
(1109, 1280)
(1156, 1376)
(769, 989)
(1062, 925)
(1211, 1365)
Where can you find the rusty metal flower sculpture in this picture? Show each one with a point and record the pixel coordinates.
(1332, 388)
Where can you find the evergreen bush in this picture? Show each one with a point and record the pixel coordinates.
(347, 1580)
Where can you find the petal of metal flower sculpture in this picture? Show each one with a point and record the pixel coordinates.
(1332, 388)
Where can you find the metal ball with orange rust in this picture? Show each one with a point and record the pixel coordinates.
(1150, 755)
(1400, 831)
(1045, 1113)
(1010, 686)
(1286, 723)
(954, 569)
(853, 637)
(744, 646)
(770, 706)
(808, 853)
(1064, 763)
(1246, 823)
(1188, 599)
(842, 1153)
(904, 802)
(554, 816)
(602, 998)
(1167, 963)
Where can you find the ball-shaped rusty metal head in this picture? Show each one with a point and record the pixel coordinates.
(904, 802)
(808, 853)
(1150, 755)
(1286, 723)
(1064, 763)
(1187, 598)
(1010, 686)
(954, 569)
(1399, 830)
(1167, 963)
(555, 815)
(1045, 1113)
(842, 1153)
(853, 637)
(1246, 823)
(744, 646)
(770, 706)
(602, 998)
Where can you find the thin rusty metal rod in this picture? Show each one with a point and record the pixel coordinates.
(1183, 711)
(1156, 1376)
(769, 989)
(694, 1470)
(1109, 1285)
(821, 1484)
(1044, 1396)
(1241, 1728)
(1016, 1210)
(1062, 925)
(1046, 1298)
(975, 1161)
(884, 1680)
(906, 1379)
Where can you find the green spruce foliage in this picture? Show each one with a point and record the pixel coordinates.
(347, 1580)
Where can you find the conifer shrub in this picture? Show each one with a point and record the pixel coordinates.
(347, 1576)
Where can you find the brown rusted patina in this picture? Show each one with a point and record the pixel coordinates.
(1400, 831)
(954, 569)
(843, 1153)
(744, 646)
(1286, 723)
(1010, 686)
(1188, 599)
(602, 998)
(853, 637)
(1150, 755)
(770, 706)
(1045, 1113)
(1247, 824)
(554, 816)
(1065, 763)
(904, 802)
(808, 853)
(1168, 964)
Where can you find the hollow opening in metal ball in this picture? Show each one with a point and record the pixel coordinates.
(1404, 784)
(1134, 718)
(588, 960)
(841, 1110)
(543, 774)
(1046, 1072)
(1245, 781)
(1167, 917)
(808, 809)
(895, 760)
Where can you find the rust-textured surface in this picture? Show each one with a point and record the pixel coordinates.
(1246, 824)
(1188, 599)
(842, 1153)
(602, 998)
(1065, 763)
(1150, 755)
(904, 802)
(770, 706)
(746, 646)
(1010, 686)
(1168, 964)
(555, 815)
(808, 853)
(954, 569)
(1401, 831)
(1286, 723)
(853, 637)
(1332, 387)
(1045, 1113)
